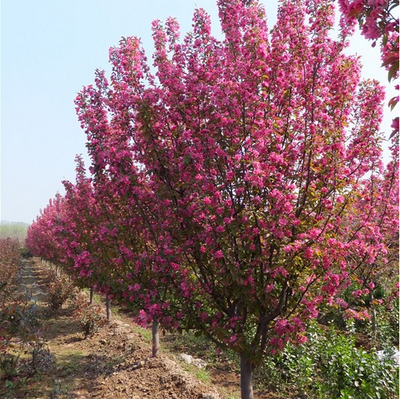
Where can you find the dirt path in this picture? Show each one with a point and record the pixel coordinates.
(29, 282)
(114, 363)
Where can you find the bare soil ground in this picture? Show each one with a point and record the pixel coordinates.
(115, 362)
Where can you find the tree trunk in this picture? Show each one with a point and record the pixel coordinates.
(155, 338)
(246, 378)
(34, 360)
(373, 316)
(91, 296)
(108, 308)
(374, 323)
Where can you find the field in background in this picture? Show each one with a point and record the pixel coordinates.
(15, 230)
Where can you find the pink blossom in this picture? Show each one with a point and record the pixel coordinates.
(340, 199)
(220, 229)
(269, 288)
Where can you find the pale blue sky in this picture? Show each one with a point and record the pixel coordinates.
(49, 50)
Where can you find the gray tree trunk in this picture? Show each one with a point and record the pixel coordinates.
(374, 323)
(155, 338)
(246, 378)
(108, 308)
(91, 296)
(373, 317)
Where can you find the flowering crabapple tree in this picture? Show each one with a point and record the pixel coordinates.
(62, 232)
(40, 236)
(104, 243)
(75, 228)
(87, 236)
(125, 255)
(240, 161)
(81, 231)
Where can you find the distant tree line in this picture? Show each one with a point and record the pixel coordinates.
(15, 230)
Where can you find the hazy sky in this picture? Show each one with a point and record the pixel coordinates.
(49, 50)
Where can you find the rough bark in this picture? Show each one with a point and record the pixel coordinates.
(155, 338)
(108, 308)
(91, 296)
(374, 324)
(246, 378)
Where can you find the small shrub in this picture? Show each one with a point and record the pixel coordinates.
(19, 318)
(8, 365)
(59, 290)
(8, 360)
(89, 316)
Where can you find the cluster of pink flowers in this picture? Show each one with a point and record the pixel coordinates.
(352, 314)
(379, 22)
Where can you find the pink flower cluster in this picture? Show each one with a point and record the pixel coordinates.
(378, 21)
